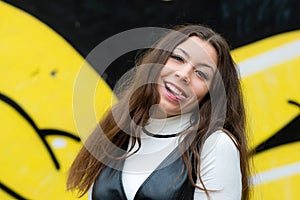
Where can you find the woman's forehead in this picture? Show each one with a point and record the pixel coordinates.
(197, 48)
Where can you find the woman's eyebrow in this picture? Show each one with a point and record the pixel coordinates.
(198, 64)
(205, 65)
(184, 52)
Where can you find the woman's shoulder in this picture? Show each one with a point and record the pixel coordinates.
(220, 141)
(220, 168)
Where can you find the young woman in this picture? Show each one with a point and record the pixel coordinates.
(177, 132)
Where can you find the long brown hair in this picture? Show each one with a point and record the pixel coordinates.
(226, 113)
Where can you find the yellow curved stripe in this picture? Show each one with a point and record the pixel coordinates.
(248, 51)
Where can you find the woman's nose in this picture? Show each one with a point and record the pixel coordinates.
(184, 74)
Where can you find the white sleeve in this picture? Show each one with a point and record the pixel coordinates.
(90, 191)
(220, 169)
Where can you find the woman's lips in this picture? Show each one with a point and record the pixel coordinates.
(174, 93)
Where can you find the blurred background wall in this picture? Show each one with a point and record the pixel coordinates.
(43, 45)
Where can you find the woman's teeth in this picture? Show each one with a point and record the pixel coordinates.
(177, 93)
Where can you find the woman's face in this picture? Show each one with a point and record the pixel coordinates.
(186, 76)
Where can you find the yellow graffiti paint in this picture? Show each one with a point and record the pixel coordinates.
(270, 76)
(38, 69)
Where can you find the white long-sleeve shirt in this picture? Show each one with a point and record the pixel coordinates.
(220, 165)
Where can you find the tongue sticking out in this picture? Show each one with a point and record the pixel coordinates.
(172, 90)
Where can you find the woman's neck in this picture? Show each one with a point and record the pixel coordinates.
(156, 112)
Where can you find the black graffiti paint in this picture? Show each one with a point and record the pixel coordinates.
(41, 133)
(85, 24)
(288, 134)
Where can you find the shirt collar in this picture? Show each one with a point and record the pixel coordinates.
(169, 125)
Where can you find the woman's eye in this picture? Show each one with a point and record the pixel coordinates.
(202, 75)
(177, 58)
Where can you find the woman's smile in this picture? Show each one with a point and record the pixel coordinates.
(175, 93)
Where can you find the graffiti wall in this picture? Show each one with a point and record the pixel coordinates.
(39, 137)
(270, 73)
(42, 50)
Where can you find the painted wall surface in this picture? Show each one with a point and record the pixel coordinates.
(39, 137)
(270, 76)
